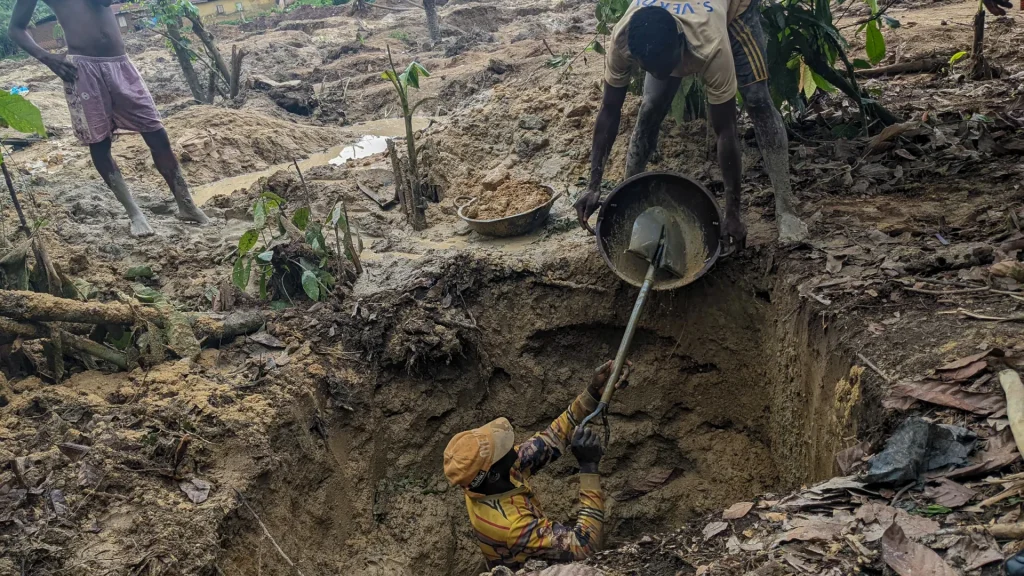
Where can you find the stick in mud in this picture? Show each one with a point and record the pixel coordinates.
(267, 532)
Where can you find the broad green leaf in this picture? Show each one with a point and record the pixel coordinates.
(240, 272)
(247, 241)
(136, 272)
(956, 57)
(315, 237)
(823, 84)
(259, 214)
(598, 47)
(861, 64)
(807, 84)
(310, 285)
(388, 75)
(147, 294)
(266, 256)
(875, 43)
(268, 195)
(301, 217)
(420, 69)
(21, 114)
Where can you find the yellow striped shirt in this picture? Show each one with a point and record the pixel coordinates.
(511, 528)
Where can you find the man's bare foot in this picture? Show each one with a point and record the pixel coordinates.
(189, 212)
(792, 229)
(140, 228)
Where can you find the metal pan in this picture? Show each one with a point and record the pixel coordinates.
(687, 200)
(510, 225)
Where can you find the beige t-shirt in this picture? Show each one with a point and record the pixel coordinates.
(704, 23)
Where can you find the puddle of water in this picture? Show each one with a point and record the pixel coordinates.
(366, 146)
(373, 140)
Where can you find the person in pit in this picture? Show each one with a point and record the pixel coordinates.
(105, 92)
(722, 41)
(494, 474)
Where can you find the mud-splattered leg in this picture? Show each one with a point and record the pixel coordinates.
(167, 165)
(774, 146)
(111, 174)
(658, 95)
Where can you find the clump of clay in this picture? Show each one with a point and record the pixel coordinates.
(509, 199)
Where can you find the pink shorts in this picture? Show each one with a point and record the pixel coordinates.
(107, 94)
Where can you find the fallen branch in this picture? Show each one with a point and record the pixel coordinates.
(266, 532)
(871, 365)
(975, 316)
(1004, 531)
(36, 307)
(32, 331)
(912, 67)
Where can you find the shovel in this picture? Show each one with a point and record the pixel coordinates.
(657, 238)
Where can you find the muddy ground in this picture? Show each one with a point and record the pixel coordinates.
(330, 423)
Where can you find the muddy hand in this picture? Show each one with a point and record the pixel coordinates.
(585, 206)
(61, 67)
(734, 236)
(998, 7)
(601, 375)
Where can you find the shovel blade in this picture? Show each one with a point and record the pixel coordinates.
(653, 227)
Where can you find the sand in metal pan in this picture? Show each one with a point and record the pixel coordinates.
(688, 203)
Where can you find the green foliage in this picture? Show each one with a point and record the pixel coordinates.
(401, 35)
(20, 114)
(875, 47)
(608, 13)
(409, 78)
(957, 57)
(316, 3)
(258, 246)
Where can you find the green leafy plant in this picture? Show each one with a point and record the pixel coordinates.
(608, 13)
(400, 35)
(402, 82)
(18, 113)
(957, 57)
(265, 250)
(804, 49)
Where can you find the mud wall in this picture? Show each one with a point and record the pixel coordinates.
(732, 392)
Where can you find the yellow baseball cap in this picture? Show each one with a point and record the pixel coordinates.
(471, 453)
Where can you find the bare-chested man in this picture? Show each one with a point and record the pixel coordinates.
(105, 92)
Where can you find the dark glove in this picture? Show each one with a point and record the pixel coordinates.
(586, 447)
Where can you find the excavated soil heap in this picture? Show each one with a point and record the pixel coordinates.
(509, 199)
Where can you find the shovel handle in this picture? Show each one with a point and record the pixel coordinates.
(627, 338)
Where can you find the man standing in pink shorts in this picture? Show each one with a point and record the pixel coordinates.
(106, 92)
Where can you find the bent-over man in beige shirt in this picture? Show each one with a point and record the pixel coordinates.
(722, 41)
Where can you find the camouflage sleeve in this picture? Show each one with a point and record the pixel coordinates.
(545, 447)
(536, 536)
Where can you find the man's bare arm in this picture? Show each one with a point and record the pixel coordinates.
(18, 31)
(723, 120)
(605, 130)
(21, 16)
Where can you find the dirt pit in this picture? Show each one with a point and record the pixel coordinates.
(731, 397)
